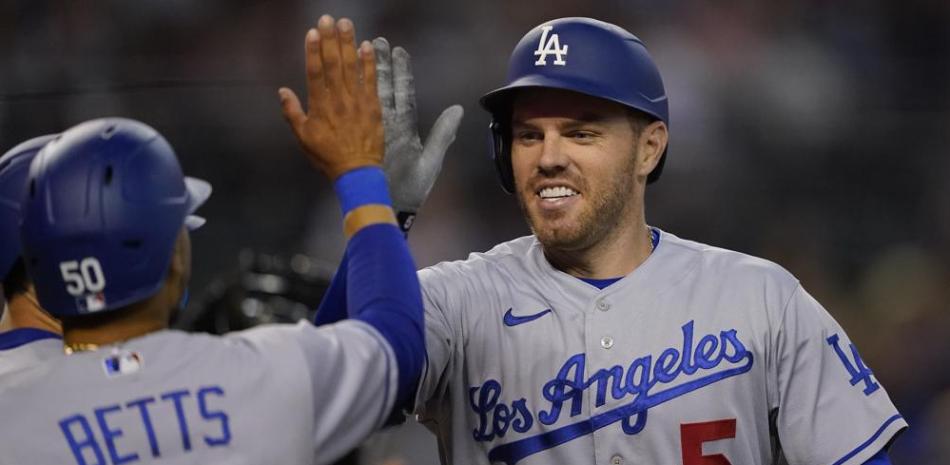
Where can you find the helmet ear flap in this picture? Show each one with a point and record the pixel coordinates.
(501, 154)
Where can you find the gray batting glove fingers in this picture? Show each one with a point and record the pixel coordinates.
(413, 169)
(404, 89)
(384, 85)
(437, 145)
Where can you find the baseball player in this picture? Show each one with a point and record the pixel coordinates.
(600, 339)
(28, 335)
(105, 239)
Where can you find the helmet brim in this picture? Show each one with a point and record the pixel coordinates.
(199, 191)
(498, 102)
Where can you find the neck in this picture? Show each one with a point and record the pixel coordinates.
(23, 311)
(615, 255)
(116, 326)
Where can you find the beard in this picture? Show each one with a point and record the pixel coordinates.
(601, 212)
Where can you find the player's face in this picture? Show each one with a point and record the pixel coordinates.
(575, 162)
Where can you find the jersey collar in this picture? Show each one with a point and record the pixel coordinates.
(22, 336)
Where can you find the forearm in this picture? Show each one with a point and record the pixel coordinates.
(381, 286)
(333, 305)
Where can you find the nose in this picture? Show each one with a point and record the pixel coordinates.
(553, 156)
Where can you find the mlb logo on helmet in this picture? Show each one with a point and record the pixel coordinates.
(91, 302)
(122, 363)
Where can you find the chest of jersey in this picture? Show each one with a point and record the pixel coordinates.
(618, 374)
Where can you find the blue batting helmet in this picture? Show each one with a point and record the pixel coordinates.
(582, 55)
(105, 204)
(13, 170)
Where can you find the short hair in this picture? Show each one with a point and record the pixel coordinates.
(639, 120)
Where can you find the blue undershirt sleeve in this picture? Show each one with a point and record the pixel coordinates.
(333, 305)
(378, 283)
(382, 290)
(879, 459)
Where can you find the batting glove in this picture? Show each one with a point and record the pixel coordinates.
(411, 167)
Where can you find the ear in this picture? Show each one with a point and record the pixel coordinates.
(651, 145)
(179, 269)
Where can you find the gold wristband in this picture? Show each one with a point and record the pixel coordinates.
(367, 215)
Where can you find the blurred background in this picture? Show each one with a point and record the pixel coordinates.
(813, 133)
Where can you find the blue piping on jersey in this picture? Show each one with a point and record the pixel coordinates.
(867, 443)
(22, 336)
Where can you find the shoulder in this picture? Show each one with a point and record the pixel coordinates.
(513, 254)
(257, 343)
(729, 266)
(303, 334)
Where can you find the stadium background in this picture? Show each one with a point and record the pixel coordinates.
(813, 133)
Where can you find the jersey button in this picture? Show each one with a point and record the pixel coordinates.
(616, 460)
(606, 342)
(603, 305)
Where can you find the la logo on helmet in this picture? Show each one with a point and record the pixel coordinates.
(550, 46)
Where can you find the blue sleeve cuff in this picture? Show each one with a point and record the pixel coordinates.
(362, 186)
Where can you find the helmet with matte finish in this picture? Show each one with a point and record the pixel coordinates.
(105, 204)
(14, 166)
(582, 55)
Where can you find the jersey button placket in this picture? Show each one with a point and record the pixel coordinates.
(601, 332)
(601, 304)
(616, 460)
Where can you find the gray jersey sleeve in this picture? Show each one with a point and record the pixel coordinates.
(440, 337)
(831, 408)
(353, 380)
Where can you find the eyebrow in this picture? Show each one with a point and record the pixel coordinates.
(584, 118)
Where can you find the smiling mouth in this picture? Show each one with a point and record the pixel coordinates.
(556, 193)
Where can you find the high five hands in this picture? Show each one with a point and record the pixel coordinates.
(342, 128)
(354, 101)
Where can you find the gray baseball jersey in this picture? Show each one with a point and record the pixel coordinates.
(701, 355)
(25, 347)
(275, 394)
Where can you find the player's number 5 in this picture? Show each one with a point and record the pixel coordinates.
(693, 435)
(83, 276)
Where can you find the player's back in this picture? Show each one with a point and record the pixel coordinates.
(172, 397)
(25, 347)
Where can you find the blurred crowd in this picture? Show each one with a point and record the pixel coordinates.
(813, 133)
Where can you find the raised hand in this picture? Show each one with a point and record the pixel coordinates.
(410, 166)
(342, 129)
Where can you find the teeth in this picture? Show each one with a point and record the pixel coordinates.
(556, 192)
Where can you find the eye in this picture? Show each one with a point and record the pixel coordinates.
(528, 135)
(581, 135)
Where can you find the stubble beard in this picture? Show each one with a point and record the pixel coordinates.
(600, 217)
